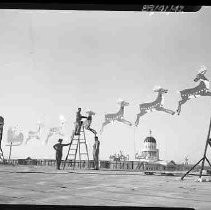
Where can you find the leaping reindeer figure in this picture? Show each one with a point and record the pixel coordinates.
(88, 121)
(119, 116)
(56, 130)
(34, 134)
(200, 90)
(155, 105)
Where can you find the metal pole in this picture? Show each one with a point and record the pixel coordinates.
(204, 157)
(208, 161)
(191, 169)
(10, 150)
(205, 150)
(134, 144)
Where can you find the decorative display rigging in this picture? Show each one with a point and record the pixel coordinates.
(201, 90)
(155, 105)
(119, 116)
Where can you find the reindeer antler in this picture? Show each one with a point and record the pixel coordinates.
(120, 100)
(90, 112)
(40, 123)
(62, 118)
(156, 88)
(202, 70)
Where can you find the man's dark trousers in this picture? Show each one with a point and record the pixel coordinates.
(58, 159)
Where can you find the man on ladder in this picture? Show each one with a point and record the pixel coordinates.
(78, 122)
(75, 143)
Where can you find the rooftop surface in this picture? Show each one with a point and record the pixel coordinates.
(48, 186)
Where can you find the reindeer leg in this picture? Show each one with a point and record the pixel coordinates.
(125, 122)
(93, 131)
(137, 119)
(165, 110)
(27, 140)
(180, 104)
(49, 135)
(143, 112)
(104, 124)
(87, 126)
(207, 93)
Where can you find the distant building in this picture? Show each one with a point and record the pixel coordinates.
(150, 153)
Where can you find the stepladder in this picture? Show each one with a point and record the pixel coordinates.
(1, 156)
(77, 154)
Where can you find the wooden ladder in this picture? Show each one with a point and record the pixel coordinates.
(75, 148)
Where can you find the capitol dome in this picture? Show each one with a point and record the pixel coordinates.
(150, 151)
(150, 139)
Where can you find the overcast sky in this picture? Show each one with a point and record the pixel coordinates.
(52, 62)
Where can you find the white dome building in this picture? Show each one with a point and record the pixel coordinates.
(150, 153)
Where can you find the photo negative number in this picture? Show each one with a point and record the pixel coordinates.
(163, 8)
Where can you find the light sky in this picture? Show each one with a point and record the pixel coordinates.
(52, 62)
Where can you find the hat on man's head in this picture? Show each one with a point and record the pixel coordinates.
(96, 138)
(60, 140)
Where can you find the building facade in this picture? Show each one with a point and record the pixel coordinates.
(150, 153)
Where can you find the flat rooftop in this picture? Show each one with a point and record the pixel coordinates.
(43, 185)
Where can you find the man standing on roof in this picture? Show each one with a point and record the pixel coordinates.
(96, 148)
(1, 134)
(59, 147)
(78, 122)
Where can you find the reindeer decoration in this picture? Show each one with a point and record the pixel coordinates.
(155, 105)
(56, 130)
(88, 121)
(119, 116)
(14, 136)
(34, 134)
(200, 90)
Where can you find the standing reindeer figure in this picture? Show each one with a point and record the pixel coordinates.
(119, 116)
(34, 134)
(200, 90)
(87, 123)
(56, 130)
(155, 105)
